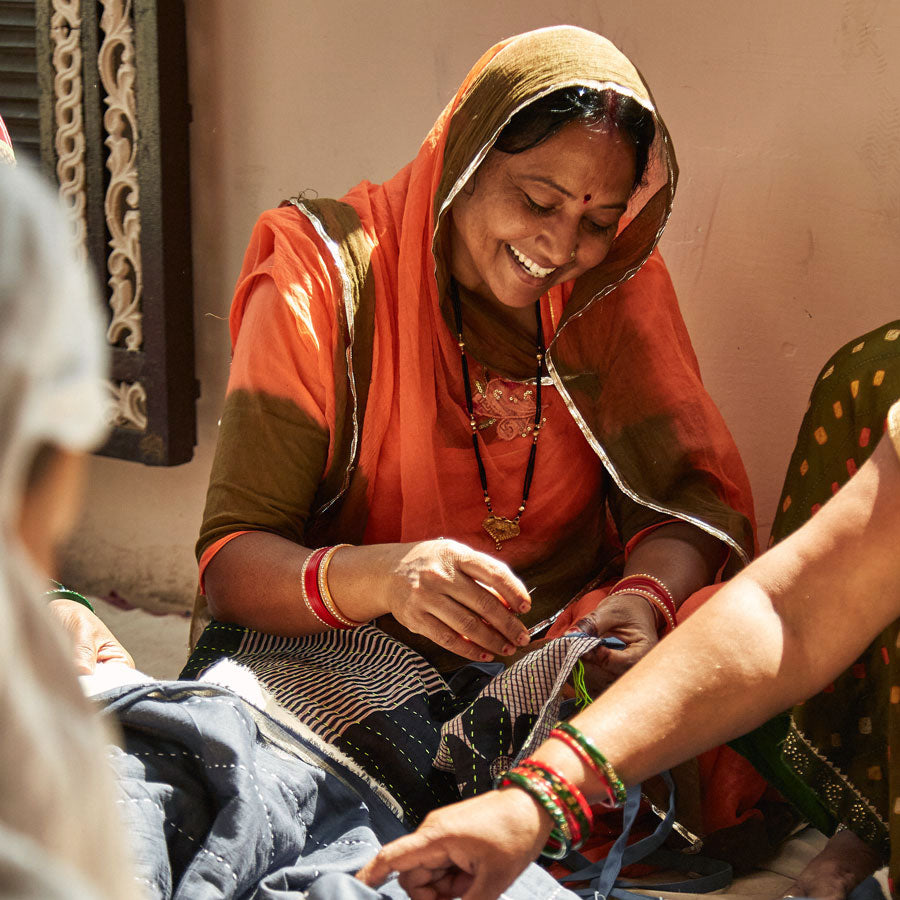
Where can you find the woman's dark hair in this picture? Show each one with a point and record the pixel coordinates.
(548, 115)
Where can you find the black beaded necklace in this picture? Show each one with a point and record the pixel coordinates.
(500, 528)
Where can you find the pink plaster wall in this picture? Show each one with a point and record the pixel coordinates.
(783, 244)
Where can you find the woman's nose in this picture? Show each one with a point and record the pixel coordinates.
(560, 243)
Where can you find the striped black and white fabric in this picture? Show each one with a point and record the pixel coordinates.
(392, 712)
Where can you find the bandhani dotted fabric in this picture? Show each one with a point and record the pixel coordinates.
(389, 710)
(842, 743)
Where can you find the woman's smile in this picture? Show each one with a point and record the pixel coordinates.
(537, 272)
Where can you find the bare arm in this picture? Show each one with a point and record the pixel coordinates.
(772, 636)
(461, 599)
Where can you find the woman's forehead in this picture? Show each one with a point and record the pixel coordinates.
(580, 160)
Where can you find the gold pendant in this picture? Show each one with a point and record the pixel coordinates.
(500, 529)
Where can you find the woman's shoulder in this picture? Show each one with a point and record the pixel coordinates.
(308, 249)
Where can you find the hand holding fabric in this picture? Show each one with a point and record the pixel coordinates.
(473, 850)
(463, 600)
(92, 641)
(628, 617)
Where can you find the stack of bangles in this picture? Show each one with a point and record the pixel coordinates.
(314, 586)
(562, 800)
(655, 593)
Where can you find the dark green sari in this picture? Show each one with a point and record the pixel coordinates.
(837, 756)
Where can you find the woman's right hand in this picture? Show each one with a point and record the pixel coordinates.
(474, 849)
(463, 600)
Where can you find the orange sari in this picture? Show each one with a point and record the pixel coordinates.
(345, 418)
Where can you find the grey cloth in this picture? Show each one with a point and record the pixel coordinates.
(220, 800)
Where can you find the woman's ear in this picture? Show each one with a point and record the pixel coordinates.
(51, 502)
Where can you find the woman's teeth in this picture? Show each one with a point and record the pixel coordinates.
(530, 265)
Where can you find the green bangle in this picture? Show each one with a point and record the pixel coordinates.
(564, 792)
(560, 833)
(61, 593)
(601, 761)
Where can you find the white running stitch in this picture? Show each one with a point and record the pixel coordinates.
(216, 856)
(180, 830)
(261, 800)
(284, 785)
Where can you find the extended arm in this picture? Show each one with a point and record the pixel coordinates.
(774, 635)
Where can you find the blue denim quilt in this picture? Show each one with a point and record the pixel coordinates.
(222, 801)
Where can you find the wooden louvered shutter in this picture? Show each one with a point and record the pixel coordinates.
(96, 90)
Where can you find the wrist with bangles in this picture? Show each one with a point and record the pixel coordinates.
(565, 804)
(315, 591)
(655, 593)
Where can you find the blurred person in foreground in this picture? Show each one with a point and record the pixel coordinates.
(59, 835)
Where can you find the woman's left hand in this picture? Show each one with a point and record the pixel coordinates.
(473, 850)
(628, 617)
(92, 641)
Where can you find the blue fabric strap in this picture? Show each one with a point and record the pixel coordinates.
(603, 874)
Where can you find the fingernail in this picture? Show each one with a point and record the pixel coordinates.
(507, 650)
(486, 657)
(523, 639)
(525, 607)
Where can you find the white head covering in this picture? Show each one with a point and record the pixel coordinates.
(56, 795)
(52, 351)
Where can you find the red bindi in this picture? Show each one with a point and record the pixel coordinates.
(587, 198)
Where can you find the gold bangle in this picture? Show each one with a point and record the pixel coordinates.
(325, 593)
(667, 621)
(303, 593)
(652, 578)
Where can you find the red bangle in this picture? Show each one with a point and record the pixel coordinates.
(325, 593)
(572, 802)
(661, 613)
(314, 589)
(654, 591)
(585, 757)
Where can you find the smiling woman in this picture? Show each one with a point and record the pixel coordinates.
(537, 218)
(398, 353)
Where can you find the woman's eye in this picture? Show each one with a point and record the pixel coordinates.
(536, 207)
(597, 228)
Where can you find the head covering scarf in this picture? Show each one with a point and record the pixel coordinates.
(56, 801)
(620, 356)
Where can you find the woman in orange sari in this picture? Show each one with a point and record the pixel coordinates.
(474, 382)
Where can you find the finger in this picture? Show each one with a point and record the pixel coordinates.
(451, 639)
(85, 656)
(489, 883)
(376, 871)
(457, 613)
(491, 608)
(409, 852)
(494, 575)
(454, 884)
(587, 625)
(112, 650)
(421, 877)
